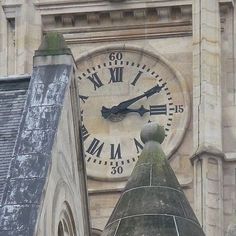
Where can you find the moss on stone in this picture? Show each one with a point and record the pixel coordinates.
(53, 44)
(153, 154)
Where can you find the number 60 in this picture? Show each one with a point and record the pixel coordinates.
(115, 56)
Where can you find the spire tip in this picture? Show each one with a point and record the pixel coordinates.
(152, 132)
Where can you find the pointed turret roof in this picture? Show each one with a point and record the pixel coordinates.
(153, 203)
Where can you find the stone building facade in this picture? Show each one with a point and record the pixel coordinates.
(196, 37)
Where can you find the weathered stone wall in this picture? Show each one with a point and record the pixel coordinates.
(229, 114)
(21, 35)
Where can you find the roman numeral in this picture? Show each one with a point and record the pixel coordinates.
(115, 153)
(82, 115)
(95, 147)
(158, 110)
(138, 145)
(95, 80)
(136, 78)
(116, 74)
(85, 133)
(83, 98)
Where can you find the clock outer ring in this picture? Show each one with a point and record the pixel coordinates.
(156, 56)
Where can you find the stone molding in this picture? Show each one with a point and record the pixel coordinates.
(11, 10)
(209, 151)
(213, 152)
(121, 25)
(47, 8)
(72, 6)
(117, 24)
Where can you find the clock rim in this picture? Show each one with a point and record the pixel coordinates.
(156, 56)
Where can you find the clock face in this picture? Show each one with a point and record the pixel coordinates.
(121, 89)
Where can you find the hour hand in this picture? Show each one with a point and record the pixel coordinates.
(141, 110)
(106, 112)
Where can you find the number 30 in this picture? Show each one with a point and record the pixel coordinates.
(117, 170)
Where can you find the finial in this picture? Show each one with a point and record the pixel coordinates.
(152, 132)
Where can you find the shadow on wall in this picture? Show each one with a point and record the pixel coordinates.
(96, 232)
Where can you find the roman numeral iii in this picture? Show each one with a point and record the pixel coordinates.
(158, 110)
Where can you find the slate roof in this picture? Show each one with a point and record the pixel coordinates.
(13, 92)
(153, 203)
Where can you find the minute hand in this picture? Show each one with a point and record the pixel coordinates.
(123, 105)
(148, 93)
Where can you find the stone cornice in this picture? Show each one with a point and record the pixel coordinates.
(117, 25)
(10, 10)
(73, 6)
(134, 33)
(121, 25)
(49, 7)
(209, 151)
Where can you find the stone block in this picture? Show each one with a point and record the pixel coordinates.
(213, 201)
(229, 192)
(229, 179)
(229, 139)
(212, 217)
(213, 187)
(228, 207)
(231, 156)
(229, 116)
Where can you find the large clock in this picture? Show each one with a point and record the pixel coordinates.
(121, 88)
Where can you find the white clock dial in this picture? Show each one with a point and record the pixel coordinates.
(121, 89)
